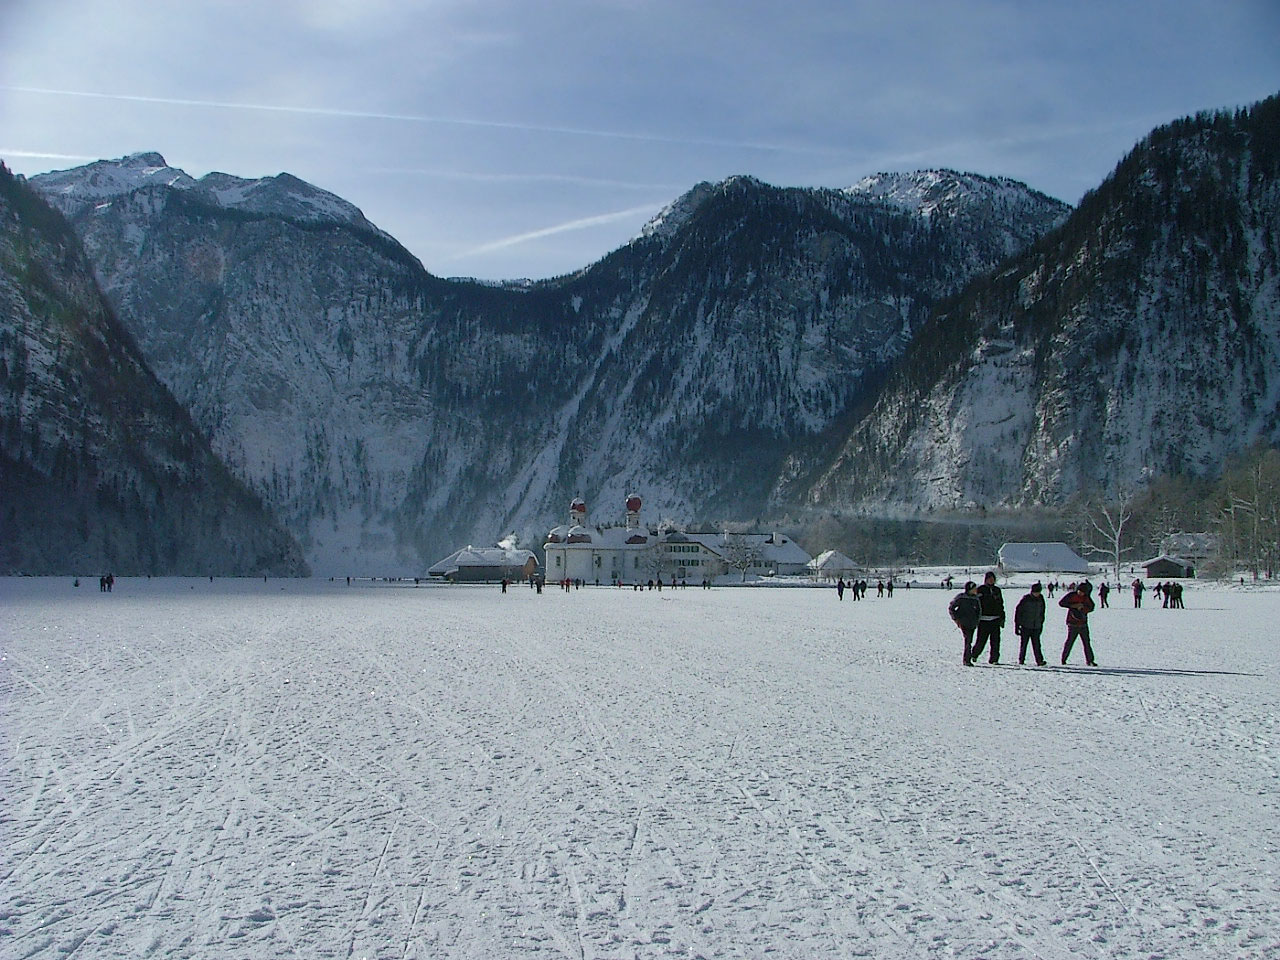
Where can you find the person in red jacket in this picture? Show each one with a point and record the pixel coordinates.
(1079, 605)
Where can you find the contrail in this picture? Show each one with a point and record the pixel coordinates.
(39, 155)
(565, 178)
(581, 224)
(423, 118)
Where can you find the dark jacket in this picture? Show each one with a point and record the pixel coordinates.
(965, 610)
(992, 602)
(1029, 614)
(1079, 605)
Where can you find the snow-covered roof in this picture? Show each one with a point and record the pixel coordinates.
(1041, 558)
(1180, 561)
(831, 561)
(774, 547)
(479, 557)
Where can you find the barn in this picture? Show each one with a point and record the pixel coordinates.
(1166, 567)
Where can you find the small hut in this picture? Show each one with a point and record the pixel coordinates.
(1165, 567)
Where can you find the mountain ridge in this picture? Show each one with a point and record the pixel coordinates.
(387, 414)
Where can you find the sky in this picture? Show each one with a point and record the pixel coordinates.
(504, 139)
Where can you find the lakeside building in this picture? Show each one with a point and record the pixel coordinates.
(485, 565)
(1040, 558)
(832, 565)
(635, 553)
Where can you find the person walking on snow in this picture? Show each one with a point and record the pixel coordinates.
(1028, 623)
(1079, 605)
(965, 608)
(992, 619)
(1137, 593)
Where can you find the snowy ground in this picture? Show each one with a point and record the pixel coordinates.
(307, 769)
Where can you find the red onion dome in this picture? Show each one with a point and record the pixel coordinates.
(633, 504)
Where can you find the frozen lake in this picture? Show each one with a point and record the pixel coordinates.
(307, 769)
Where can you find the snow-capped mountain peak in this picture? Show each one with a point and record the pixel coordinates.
(668, 221)
(930, 192)
(105, 180)
(282, 195)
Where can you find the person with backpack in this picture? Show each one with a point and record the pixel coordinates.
(965, 609)
(1028, 623)
(1079, 605)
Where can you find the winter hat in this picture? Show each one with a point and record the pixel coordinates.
(1036, 587)
(969, 585)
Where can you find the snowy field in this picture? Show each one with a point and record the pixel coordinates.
(306, 769)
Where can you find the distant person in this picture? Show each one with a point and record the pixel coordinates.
(840, 589)
(1079, 605)
(1176, 603)
(965, 609)
(1103, 592)
(1028, 623)
(1137, 593)
(888, 589)
(992, 619)
(879, 588)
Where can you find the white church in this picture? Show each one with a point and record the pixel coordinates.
(633, 553)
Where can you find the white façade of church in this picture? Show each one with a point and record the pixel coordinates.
(633, 553)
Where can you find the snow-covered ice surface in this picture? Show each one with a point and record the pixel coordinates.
(248, 769)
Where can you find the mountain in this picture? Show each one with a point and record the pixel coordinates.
(100, 469)
(1141, 338)
(387, 415)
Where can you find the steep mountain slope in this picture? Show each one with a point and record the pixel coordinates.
(1141, 338)
(388, 415)
(100, 469)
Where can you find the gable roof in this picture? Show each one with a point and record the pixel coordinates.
(832, 560)
(494, 557)
(1041, 558)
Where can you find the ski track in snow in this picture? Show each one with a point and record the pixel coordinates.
(306, 769)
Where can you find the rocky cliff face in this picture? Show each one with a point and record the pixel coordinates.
(387, 415)
(100, 469)
(1141, 338)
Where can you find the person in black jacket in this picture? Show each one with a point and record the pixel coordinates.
(992, 618)
(1028, 623)
(965, 609)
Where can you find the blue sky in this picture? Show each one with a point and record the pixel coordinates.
(505, 139)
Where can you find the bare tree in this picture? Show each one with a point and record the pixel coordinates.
(1249, 515)
(1105, 521)
(741, 552)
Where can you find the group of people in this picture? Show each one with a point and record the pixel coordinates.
(857, 588)
(1169, 591)
(979, 613)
